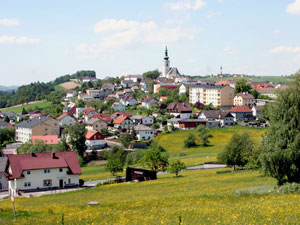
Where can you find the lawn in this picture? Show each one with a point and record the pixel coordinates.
(34, 105)
(95, 172)
(174, 143)
(198, 197)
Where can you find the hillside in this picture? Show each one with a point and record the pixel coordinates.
(198, 197)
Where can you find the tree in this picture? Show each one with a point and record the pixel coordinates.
(241, 85)
(116, 160)
(280, 157)
(204, 135)
(6, 119)
(77, 138)
(238, 151)
(176, 167)
(104, 131)
(126, 139)
(24, 111)
(190, 141)
(80, 103)
(156, 158)
(153, 75)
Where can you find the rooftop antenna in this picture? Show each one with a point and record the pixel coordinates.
(221, 74)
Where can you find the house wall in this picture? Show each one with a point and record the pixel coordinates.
(98, 125)
(147, 120)
(3, 182)
(144, 135)
(36, 178)
(95, 144)
(127, 124)
(49, 127)
(227, 95)
(67, 121)
(23, 134)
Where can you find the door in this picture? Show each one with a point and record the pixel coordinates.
(61, 183)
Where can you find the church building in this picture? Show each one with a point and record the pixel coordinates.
(167, 71)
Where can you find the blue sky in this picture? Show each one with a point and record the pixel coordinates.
(42, 40)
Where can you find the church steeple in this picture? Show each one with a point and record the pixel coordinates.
(166, 54)
(166, 64)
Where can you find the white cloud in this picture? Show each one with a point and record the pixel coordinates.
(221, 1)
(276, 32)
(18, 40)
(212, 14)
(294, 8)
(186, 4)
(228, 50)
(9, 22)
(286, 49)
(117, 34)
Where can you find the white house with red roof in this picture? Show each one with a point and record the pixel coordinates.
(70, 94)
(95, 140)
(123, 122)
(42, 171)
(88, 113)
(242, 113)
(66, 120)
(148, 101)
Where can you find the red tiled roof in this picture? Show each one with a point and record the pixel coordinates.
(102, 116)
(47, 160)
(240, 109)
(88, 111)
(117, 114)
(62, 116)
(163, 97)
(120, 119)
(91, 133)
(179, 107)
(148, 99)
(47, 139)
(224, 82)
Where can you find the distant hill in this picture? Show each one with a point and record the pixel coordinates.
(8, 88)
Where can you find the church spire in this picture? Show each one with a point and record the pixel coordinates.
(166, 54)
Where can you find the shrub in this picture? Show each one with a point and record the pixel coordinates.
(81, 182)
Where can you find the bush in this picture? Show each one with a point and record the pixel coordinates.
(81, 182)
(182, 154)
(289, 188)
(190, 141)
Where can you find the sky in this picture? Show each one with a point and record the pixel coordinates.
(41, 40)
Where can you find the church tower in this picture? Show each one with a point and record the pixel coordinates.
(166, 64)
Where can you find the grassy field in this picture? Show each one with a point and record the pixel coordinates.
(95, 172)
(198, 197)
(18, 109)
(174, 144)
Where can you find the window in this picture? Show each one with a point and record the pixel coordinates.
(47, 183)
(60, 169)
(27, 184)
(46, 171)
(69, 180)
(28, 171)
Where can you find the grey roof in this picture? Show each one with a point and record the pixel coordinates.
(216, 114)
(127, 82)
(108, 86)
(142, 127)
(92, 121)
(3, 124)
(208, 86)
(173, 120)
(33, 122)
(137, 117)
(174, 71)
(3, 163)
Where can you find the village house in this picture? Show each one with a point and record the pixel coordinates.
(95, 140)
(70, 94)
(256, 111)
(118, 106)
(4, 125)
(143, 132)
(173, 122)
(140, 119)
(123, 122)
(217, 95)
(148, 101)
(88, 79)
(84, 96)
(134, 78)
(96, 124)
(167, 86)
(128, 100)
(181, 110)
(70, 109)
(244, 98)
(242, 113)
(37, 126)
(127, 83)
(88, 113)
(79, 112)
(191, 123)
(66, 120)
(104, 117)
(42, 171)
(224, 118)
